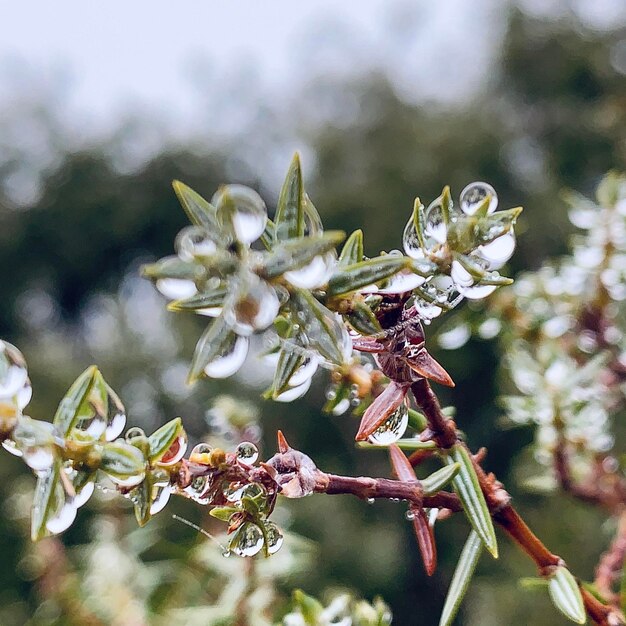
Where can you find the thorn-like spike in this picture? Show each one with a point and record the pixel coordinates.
(425, 539)
(283, 446)
(401, 465)
(426, 366)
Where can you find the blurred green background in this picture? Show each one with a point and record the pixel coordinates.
(77, 218)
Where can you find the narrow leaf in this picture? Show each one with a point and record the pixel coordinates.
(199, 211)
(205, 300)
(468, 489)
(294, 254)
(381, 409)
(67, 412)
(353, 277)
(222, 513)
(446, 204)
(161, 440)
(142, 499)
(268, 235)
(439, 479)
(288, 363)
(45, 500)
(122, 460)
(425, 539)
(172, 267)
(401, 466)
(289, 217)
(404, 444)
(326, 331)
(363, 320)
(566, 596)
(461, 578)
(352, 251)
(215, 340)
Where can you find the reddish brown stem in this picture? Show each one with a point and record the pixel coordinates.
(442, 430)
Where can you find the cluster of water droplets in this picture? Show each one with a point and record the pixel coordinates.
(453, 280)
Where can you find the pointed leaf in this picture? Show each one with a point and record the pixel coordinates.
(446, 204)
(310, 608)
(363, 320)
(268, 235)
(401, 465)
(461, 578)
(44, 500)
(325, 330)
(352, 251)
(122, 460)
(69, 407)
(353, 277)
(204, 300)
(296, 253)
(172, 267)
(468, 489)
(222, 513)
(214, 341)
(425, 539)
(142, 499)
(199, 211)
(289, 217)
(161, 440)
(289, 361)
(566, 596)
(439, 479)
(493, 226)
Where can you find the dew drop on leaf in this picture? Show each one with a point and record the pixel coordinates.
(305, 371)
(247, 453)
(392, 429)
(294, 392)
(176, 451)
(229, 362)
(197, 489)
(473, 196)
(248, 541)
(314, 274)
(253, 305)
(274, 537)
(245, 210)
(499, 251)
(192, 242)
(13, 373)
(176, 288)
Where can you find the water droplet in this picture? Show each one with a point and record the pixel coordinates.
(83, 495)
(341, 407)
(176, 451)
(248, 541)
(247, 453)
(61, 510)
(24, 395)
(226, 553)
(371, 500)
(13, 373)
(194, 241)
(499, 251)
(305, 371)
(473, 196)
(392, 429)
(213, 311)
(116, 416)
(161, 495)
(252, 305)
(410, 515)
(10, 446)
(460, 276)
(176, 288)
(127, 482)
(62, 518)
(331, 393)
(275, 538)
(454, 338)
(435, 228)
(410, 241)
(229, 362)
(294, 393)
(245, 210)
(426, 310)
(315, 274)
(133, 433)
(402, 282)
(477, 292)
(490, 328)
(201, 454)
(38, 458)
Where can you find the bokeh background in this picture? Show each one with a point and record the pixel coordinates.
(103, 104)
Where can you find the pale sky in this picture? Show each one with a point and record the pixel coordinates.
(160, 55)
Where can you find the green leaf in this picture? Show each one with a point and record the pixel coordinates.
(353, 277)
(566, 596)
(352, 251)
(417, 420)
(363, 320)
(446, 204)
(142, 500)
(439, 479)
(310, 608)
(289, 217)
(161, 440)
(199, 211)
(223, 513)
(468, 489)
(326, 331)
(69, 407)
(204, 300)
(46, 500)
(461, 578)
(294, 254)
(214, 341)
(493, 226)
(268, 235)
(122, 460)
(289, 361)
(469, 265)
(172, 267)
(532, 582)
